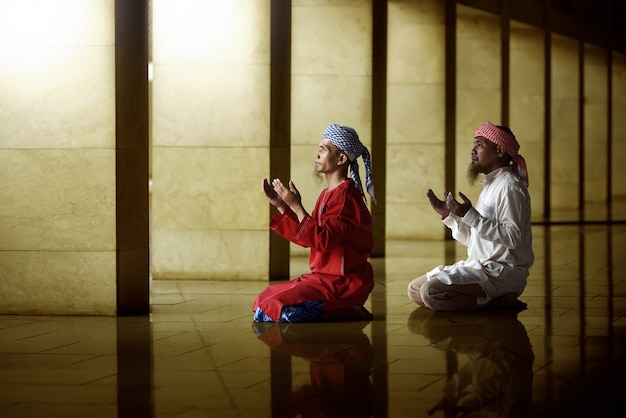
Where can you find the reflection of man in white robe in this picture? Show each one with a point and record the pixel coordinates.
(496, 379)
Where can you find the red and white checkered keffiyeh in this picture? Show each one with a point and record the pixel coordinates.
(506, 140)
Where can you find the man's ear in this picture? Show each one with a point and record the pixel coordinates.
(343, 158)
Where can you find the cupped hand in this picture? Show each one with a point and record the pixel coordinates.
(272, 196)
(438, 204)
(288, 194)
(458, 208)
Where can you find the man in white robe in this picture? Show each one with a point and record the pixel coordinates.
(497, 232)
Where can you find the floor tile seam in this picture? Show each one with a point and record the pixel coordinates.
(91, 357)
(223, 321)
(35, 335)
(437, 378)
(169, 336)
(101, 378)
(230, 363)
(48, 350)
(385, 366)
(196, 349)
(11, 317)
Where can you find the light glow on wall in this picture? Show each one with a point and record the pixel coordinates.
(61, 22)
(150, 71)
(204, 30)
(42, 41)
(57, 62)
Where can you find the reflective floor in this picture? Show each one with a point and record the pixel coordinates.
(200, 355)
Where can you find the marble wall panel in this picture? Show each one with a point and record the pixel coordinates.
(527, 123)
(618, 151)
(38, 110)
(415, 116)
(478, 49)
(527, 60)
(564, 54)
(416, 50)
(331, 37)
(478, 65)
(595, 150)
(201, 32)
(44, 52)
(413, 221)
(209, 106)
(595, 153)
(70, 22)
(58, 282)
(564, 134)
(216, 254)
(210, 132)
(527, 105)
(318, 101)
(209, 188)
(417, 167)
(57, 200)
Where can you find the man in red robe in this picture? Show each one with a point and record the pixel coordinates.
(338, 233)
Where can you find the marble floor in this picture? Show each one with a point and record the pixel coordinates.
(199, 354)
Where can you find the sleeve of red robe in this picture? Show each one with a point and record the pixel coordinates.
(338, 232)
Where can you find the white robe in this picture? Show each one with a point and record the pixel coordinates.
(498, 237)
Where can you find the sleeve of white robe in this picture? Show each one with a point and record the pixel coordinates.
(501, 227)
(460, 230)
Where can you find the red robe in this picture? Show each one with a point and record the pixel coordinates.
(339, 234)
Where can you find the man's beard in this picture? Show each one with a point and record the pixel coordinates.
(473, 170)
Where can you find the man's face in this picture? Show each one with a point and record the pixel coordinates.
(327, 158)
(485, 158)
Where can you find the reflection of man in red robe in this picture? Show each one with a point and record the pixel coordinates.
(338, 232)
(340, 357)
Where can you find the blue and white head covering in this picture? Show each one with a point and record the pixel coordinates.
(347, 140)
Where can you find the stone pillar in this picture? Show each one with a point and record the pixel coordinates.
(131, 157)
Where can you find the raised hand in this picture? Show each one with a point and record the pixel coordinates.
(289, 195)
(438, 204)
(273, 197)
(292, 189)
(459, 209)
